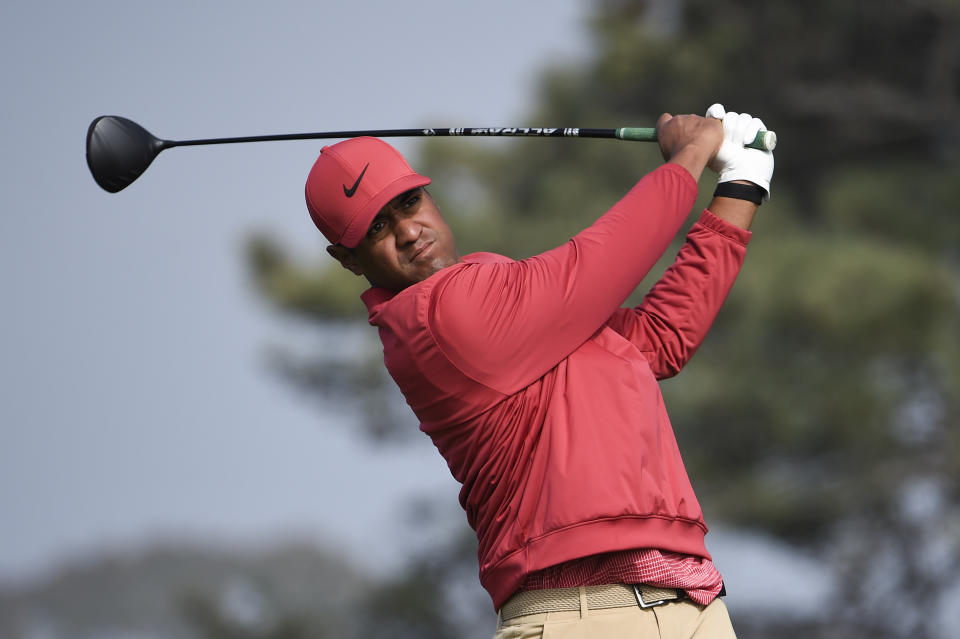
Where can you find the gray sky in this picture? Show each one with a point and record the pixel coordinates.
(136, 404)
(135, 398)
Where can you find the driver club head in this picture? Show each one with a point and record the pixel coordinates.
(119, 151)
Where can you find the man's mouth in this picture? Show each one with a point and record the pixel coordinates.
(421, 251)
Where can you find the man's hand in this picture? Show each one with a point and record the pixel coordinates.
(689, 140)
(734, 161)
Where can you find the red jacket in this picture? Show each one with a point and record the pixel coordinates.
(541, 393)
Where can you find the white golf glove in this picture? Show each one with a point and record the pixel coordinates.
(734, 161)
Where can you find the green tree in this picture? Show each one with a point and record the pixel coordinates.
(823, 407)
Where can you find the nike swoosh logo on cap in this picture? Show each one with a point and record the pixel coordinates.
(349, 192)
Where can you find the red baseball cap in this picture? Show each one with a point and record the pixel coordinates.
(351, 181)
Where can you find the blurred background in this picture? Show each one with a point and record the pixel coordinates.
(197, 439)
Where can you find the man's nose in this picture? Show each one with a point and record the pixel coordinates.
(407, 230)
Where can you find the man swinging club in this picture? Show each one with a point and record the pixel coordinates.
(541, 392)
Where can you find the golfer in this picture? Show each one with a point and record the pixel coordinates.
(541, 392)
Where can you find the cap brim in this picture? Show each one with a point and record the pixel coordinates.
(361, 222)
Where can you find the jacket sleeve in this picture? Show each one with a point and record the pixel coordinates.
(506, 324)
(674, 317)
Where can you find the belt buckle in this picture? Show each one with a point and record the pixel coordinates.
(645, 604)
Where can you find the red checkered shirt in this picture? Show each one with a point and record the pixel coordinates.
(696, 576)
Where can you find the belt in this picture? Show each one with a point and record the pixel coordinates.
(533, 602)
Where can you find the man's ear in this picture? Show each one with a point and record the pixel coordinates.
(346, 258)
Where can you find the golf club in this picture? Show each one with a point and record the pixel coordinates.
(119, 150)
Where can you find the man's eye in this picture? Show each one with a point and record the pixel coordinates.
(375, 228)
(410, 201)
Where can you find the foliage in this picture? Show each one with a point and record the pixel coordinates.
(823, 406)
(191, 591)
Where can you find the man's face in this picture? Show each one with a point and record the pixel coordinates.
(407, 242)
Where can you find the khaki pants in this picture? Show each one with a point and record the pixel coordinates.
(680, 619)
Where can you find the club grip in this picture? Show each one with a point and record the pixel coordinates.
(765, 140)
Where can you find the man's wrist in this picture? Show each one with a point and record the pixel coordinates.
(693, 157)
(736, 210)
(740, 190)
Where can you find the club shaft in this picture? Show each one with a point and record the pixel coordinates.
(406, 133)
(765, 140)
